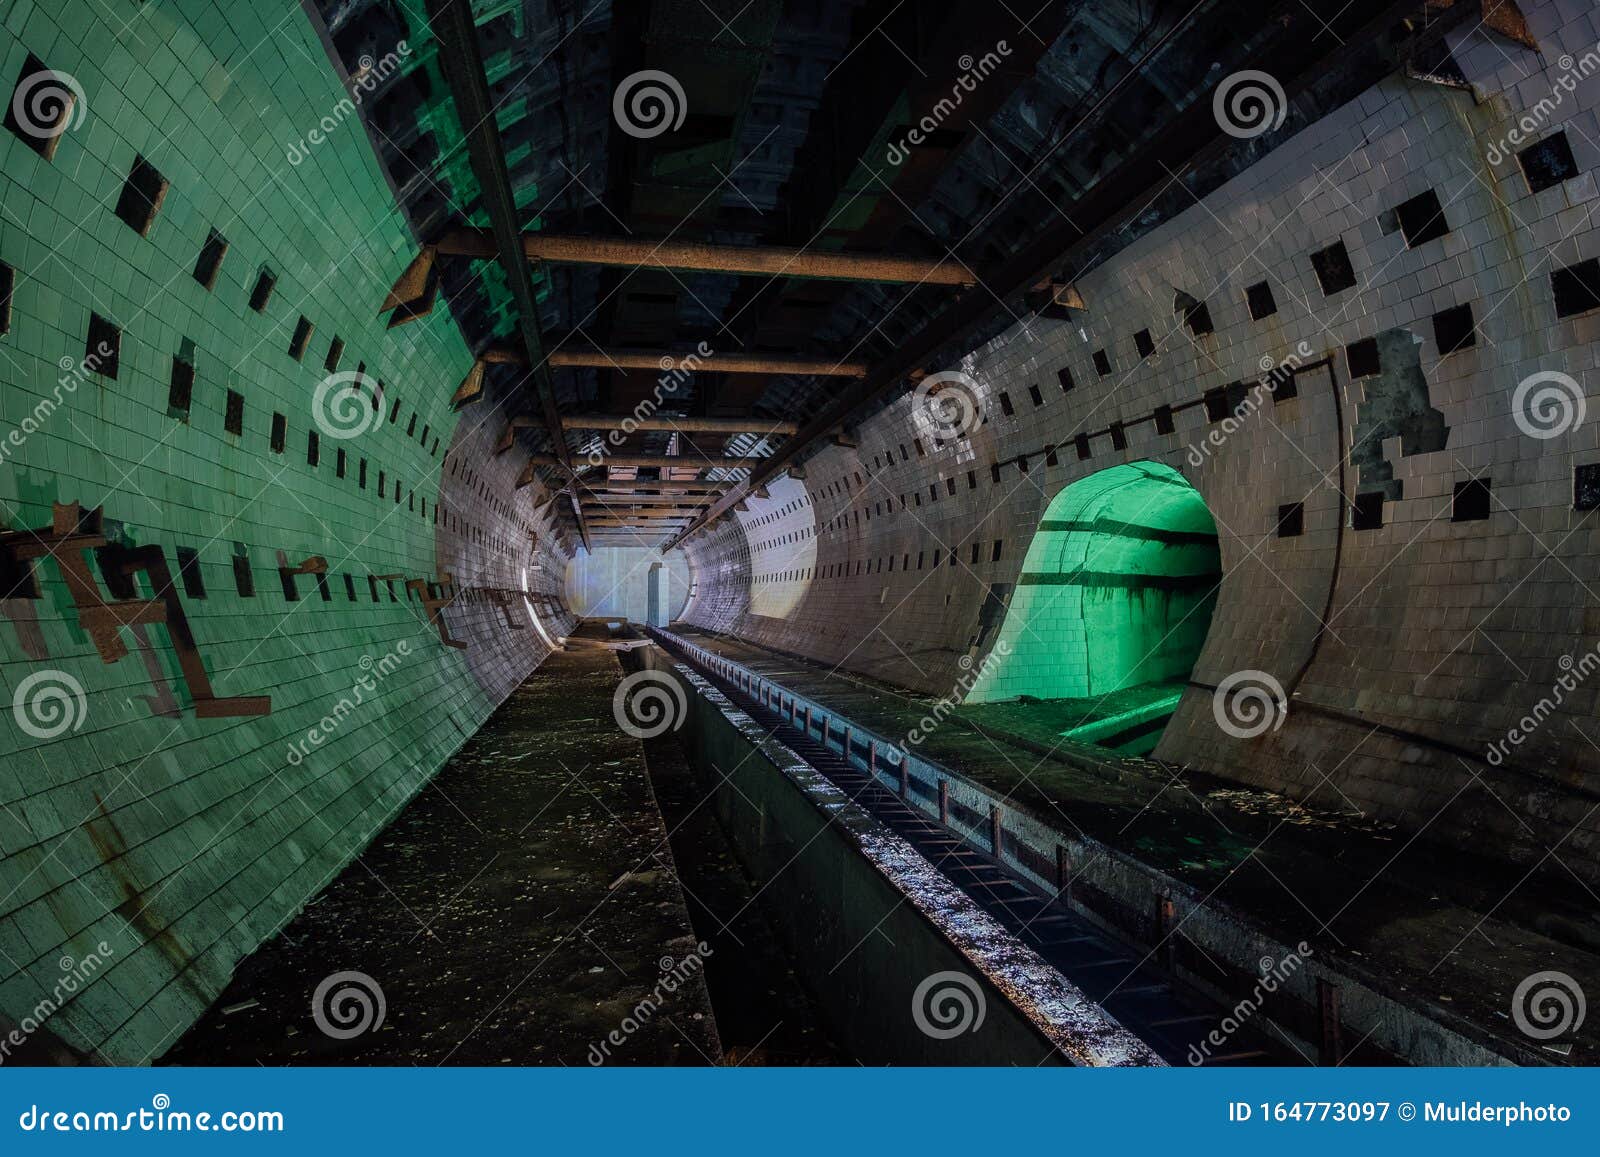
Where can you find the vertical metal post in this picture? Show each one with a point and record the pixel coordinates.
(1063, 873)
(944, 797)
(1332, 1029)
(996, 835)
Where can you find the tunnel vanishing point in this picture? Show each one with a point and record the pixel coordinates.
(799, 532)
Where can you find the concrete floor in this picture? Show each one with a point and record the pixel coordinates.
(516, 912)
(1443, 929)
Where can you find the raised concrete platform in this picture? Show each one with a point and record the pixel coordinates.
(1449, 935)
(520, 911)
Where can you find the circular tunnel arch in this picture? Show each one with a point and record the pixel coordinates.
(1113, 605)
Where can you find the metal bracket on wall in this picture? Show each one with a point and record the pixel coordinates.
(434, 604)
(74, 530)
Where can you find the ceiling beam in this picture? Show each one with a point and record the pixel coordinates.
(750, 425)
(665, 461)
(462, 63)
(668, 361)
(685, 256)
(625, 501)
(1294, 54)
(634, 485)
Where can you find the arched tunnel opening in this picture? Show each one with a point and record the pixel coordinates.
(1112, 606)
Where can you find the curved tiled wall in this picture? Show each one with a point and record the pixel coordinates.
(143, 831)
(1408, 649)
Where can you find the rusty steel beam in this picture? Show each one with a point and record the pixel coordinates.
(641, 511)
(1294, 55)
(666, 361)
(629, 485)
(677, 462)
(681, 425)
(461, 61)
(700, 257)
(625, 501)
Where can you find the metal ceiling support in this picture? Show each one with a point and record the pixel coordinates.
(462, 64)
(678, 461)
(683, 425)
(703, 486)
(1295, 56)
(625, 501)
(628, 511)
(694, 256)
(668, 361)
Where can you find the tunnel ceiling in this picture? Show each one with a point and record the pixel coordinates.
(794, 133)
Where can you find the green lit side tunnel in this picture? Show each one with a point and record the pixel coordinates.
(1112, 607)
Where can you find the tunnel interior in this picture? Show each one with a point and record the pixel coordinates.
(1113, 605)
(705, 532)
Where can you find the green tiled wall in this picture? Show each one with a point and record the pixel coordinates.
(182, 842)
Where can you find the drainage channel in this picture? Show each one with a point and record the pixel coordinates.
(1171, 1018)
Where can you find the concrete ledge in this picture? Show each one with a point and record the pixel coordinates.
(820, 853)
(1124, 896)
